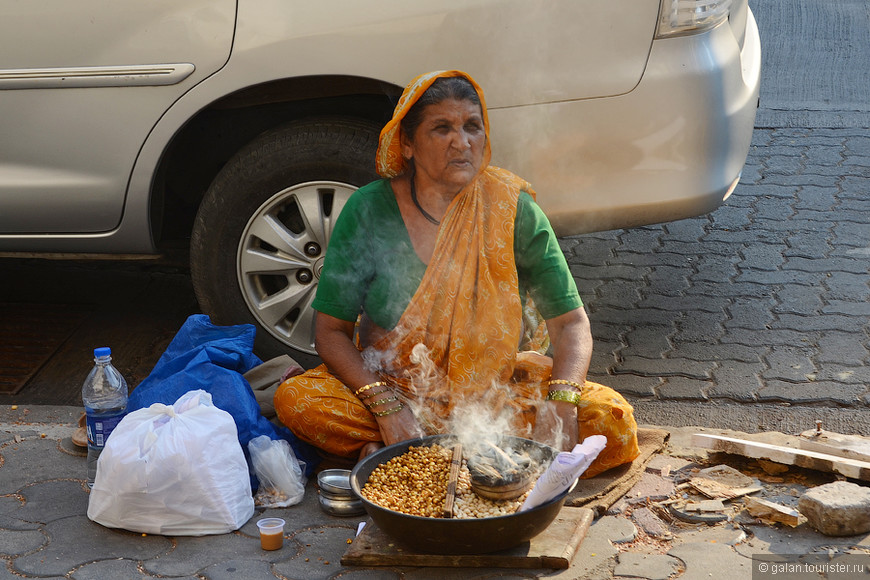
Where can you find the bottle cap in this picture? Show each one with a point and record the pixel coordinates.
(102, 351)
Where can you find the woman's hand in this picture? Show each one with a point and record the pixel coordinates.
(556, 425)
(398, 427)
(571, 338)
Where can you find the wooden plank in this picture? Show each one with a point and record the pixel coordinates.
(553, 548)
(787, 455)
(773, 512)
(849, 446)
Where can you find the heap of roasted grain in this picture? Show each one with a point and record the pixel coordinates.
(415, 483)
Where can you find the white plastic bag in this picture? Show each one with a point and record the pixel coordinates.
(173, 470)
(281, 475)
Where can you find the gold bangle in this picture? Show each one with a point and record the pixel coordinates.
(369, 386)
(572, 397)
(395, 409)
(375, 394)
(574, 384)
(383, 401)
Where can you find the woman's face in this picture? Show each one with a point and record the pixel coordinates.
(448, 145)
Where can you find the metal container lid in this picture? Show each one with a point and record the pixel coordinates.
(335, 482)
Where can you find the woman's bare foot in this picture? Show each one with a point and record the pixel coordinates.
(369, 448)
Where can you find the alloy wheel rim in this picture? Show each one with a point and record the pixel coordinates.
(280, 258)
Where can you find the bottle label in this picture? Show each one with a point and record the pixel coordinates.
(101, 425)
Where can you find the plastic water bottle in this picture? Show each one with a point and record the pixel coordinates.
(104, 394)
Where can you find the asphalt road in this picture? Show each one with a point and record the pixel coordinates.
(754, 317)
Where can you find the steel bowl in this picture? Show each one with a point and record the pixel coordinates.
(335, 481)
(340, 506)
(456, 536)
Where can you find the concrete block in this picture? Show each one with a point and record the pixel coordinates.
(840, 508)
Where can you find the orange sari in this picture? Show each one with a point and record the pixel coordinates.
(456, 344)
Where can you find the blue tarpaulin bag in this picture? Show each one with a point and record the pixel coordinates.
(214, 359)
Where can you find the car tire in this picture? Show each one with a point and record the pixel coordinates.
(263, 226)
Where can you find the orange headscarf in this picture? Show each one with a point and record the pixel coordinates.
(390, 162)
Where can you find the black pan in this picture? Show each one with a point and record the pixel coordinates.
(456, 536)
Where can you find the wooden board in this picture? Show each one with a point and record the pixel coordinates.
(786, 455)
(849, 446)
(553, 548)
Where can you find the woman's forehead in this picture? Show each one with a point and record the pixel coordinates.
(450, 108)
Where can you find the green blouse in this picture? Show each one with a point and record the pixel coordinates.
(371, 265)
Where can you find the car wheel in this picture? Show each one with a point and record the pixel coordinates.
(263, 227)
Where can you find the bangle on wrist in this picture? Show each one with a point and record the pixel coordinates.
(395, 409)
(383, 401)
(367, 396)
(365, 388)
(572, 397)
(574, 384)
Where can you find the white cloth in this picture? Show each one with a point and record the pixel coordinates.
(564, 471)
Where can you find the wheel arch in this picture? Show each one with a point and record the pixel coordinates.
(197, 151)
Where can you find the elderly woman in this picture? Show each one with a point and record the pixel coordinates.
(432, 294)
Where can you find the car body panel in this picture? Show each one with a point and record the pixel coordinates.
(511, 47)
(607, 142)
(86, 85)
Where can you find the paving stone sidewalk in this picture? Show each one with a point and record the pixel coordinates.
(756, 316)
(45, 532)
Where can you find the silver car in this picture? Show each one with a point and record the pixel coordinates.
(242, 126)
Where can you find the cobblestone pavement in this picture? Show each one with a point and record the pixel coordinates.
(754, 317)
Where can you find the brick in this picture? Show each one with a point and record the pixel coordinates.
(851, 234)
(763, 338)
(715, 351)
(840, 264)
(806, 245)
(823, 323)
(591, 251)
(730, 217)
(846, 286)
(604, 272)
(665, 367)
(683, 303)
(629, 384)
(641, 237)
(789, 364)
(784, 164)
(769, 190)
(781, 277)
(828, 156)
(715, 268)
(619, 293)
(817, 198)
(603, 331)
(699, 248)
(799, 299)
(635, 317)
(848, 308)
(660, 258)
(854, 186)
(736, 380)
(837, 347)
(777, 178)
(751, 313)
(763, 256)
(683, 388)
(847, 375)
(693, 228)
(790, 226)
(858, 145)
(696, 325)
(647, 341)
(809, 392)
